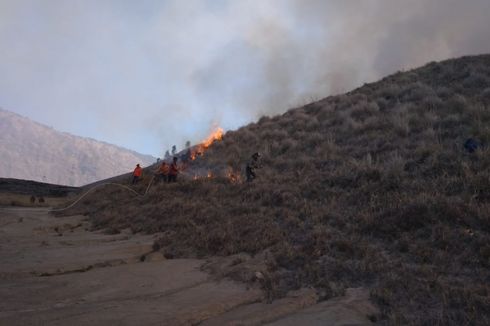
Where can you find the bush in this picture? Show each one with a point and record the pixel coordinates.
(417, 92)
(476, 81)
(456, 104)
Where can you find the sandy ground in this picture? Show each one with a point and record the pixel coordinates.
(53, 271)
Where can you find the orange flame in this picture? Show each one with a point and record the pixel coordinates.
(216, 135)
(233, 176)
(209, 175)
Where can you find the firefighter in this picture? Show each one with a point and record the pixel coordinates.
(162, 172)
(251, 166)
(173, 171)
(136, 174)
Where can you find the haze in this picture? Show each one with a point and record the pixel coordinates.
(150, 74)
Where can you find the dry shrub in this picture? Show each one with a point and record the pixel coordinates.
(456, 104)
(416, 92)
(400, 123)
(299, 121)
(273, 134)
(485, 96)
(363, 110)
(476, 81)
(326, 112)
(390, 92)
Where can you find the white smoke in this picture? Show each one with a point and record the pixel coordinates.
(150, 74)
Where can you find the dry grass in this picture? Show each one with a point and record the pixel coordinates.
(371, 188)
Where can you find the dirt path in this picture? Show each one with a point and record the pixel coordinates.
(53, 271)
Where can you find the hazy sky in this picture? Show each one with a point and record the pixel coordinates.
(147, 74)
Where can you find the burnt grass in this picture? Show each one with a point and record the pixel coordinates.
(371, 188)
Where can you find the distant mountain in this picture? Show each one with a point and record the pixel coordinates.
(32, 151)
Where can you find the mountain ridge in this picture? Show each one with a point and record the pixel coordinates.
(33, 151)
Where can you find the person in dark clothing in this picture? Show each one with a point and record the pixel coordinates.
(471, 145)
(251, 166)
(174, 171)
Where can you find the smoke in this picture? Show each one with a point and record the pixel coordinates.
(291, 52)
(150, 74)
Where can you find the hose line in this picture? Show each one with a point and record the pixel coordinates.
(102, 185)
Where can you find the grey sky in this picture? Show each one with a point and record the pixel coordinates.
(150, 74)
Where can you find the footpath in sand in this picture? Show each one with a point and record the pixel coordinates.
(53, 271)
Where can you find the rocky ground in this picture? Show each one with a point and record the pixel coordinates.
(55, 271)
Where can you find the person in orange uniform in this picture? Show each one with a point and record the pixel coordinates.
(174, 170)
(137, 174)
(163, 171)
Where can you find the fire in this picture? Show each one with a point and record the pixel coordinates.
(233, 176)
(208, 175)
(230, 174)
(198, 150)
(216, 135)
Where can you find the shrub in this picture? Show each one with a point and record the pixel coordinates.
(476, 81)
(485, 96)
(456, 104)
(416, 92)
(443, 92)
(389, 92)
(363, 110)
(432, 103)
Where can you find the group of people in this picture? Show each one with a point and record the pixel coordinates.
(165, 172)
(168, 173)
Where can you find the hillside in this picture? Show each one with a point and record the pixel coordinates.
(372, 188)
(32, 188)
(32, 151)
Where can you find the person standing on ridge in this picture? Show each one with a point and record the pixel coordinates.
(137, 174)
(251, 166)
(174, 170)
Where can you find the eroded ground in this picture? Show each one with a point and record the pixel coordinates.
(55, 272)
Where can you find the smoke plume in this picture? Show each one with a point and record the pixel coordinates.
(150, 74)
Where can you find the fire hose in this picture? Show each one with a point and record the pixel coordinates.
(108, 184)
(102, 185)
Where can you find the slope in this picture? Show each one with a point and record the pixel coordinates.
(371, 188)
